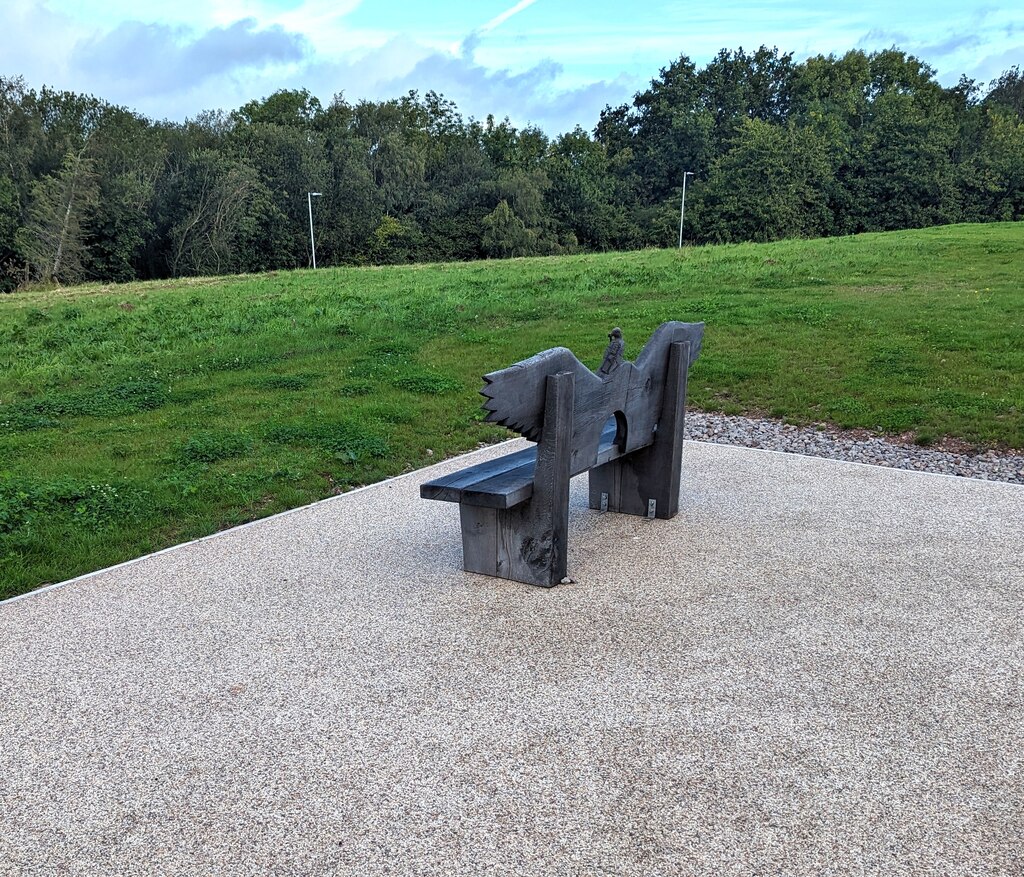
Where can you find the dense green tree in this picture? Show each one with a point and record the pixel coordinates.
(903, 162)
(739, 85)
(128, 156)
(832, 145)
(394, 241)
(669, 132)
(457, 179)
(290, 162)
(10, 221)
(580, 196)
(1002, 163)
(219, 202)
(294, 108)
(350, 208)
(767, 186)
(52, 241)
(1007, 92)
(505, 234)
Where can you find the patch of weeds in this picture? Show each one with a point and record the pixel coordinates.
(231, 363)
(129, 397)
(283, 382)
(426, 383)
(896, 362)
(366, 367)
(392, 412)
(812, 315)
(356, 388)
(114, 400)
(288, 473)
(212, 445)
(392, 348)
(966, 404)
(16, 503)
(245, 486)
(36, 317)
(900, 419)
(88, 503)
(846, 411)
(347, 438)
(184, 482)
(23, 421)
(431, 316)
(186, 396)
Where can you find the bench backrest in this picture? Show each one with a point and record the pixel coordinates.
(631, 393)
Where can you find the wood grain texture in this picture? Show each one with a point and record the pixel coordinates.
(527, 541)
(626, 430)
(504, 482)
(652, 473)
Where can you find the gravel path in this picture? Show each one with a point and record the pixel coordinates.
(814, 669)
(855, 446)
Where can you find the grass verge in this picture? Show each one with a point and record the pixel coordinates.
(136, 416)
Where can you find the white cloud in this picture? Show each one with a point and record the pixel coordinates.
(544, 63)
(534, 95)
(992, 66)
(148, 60)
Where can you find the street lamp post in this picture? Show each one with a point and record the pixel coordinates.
(682, 208)
(312, 241)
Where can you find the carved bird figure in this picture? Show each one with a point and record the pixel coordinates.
(613, 353)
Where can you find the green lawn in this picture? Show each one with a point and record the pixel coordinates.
(133, 417)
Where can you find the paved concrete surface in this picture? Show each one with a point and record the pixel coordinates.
(816, 669)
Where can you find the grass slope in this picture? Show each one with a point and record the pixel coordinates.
(133, 417)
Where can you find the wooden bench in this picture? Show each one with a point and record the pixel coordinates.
(622, 424)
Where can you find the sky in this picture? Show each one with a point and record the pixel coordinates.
(550, 63)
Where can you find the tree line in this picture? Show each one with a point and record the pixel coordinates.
(831, 145)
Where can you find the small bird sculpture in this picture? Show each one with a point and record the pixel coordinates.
(613, 353)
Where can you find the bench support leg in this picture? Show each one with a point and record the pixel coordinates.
(646, 482)
(528, 543)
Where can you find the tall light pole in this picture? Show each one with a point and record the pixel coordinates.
(682, 208)
(312, 241)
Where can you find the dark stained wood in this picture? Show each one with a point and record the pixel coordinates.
(626, 430)
(479, 539)
(504, 482)
(526, 541)
(629, 483)
(512, 470)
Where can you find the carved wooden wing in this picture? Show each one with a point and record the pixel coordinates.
(655, 352)
(515, 395)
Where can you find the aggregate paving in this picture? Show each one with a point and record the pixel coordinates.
(815, 669)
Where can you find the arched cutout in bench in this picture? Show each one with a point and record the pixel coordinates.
(615, 432)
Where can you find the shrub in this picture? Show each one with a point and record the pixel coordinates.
(348, 439)
(426, 383)
(213, 445)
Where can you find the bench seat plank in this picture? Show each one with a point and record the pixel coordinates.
(504, 475)
(502, 483)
